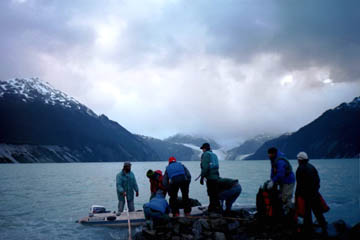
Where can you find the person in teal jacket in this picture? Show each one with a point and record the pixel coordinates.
(126, 186)
(210, 171)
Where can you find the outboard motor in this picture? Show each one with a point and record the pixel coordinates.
(97, 209)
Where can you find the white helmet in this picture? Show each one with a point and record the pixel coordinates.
(302, 156)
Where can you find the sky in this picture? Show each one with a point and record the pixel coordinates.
(228, 70)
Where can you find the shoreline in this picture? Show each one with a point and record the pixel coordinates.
(241, 225)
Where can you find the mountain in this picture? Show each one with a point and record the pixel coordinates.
(248, 147)
(41, 124)
(335, 134)
(195, 143)
(167, 149)
(193, 140)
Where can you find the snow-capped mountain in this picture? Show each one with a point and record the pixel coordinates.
(193, 140)
(42, 124)
(335, 134)
(248, 147)
(354, 104)
(33, 89)
(167, 149)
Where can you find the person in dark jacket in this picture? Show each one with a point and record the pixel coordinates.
(176, 177)
(157, 210)
(308, 185)
(283, 176)
(229, 191)
(155, 179)
(210, 170)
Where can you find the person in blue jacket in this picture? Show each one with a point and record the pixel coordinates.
(283, 176)
(176, 177)
(157, 210)
(229, 191)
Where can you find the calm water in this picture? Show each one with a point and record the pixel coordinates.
(42, 201)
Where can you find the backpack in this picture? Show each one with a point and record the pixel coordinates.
(214, 162)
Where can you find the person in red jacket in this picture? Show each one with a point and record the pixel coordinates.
(155, 179)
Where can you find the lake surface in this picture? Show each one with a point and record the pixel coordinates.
(43, 201)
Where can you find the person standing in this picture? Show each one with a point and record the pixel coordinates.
(282, 175)
(210, 171)
(125, 187)
(308, 185)
(176, 177)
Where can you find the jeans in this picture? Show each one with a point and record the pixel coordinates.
(179, 182)
(287, 191)
(229, 196)
(122, 204)
(213, 192)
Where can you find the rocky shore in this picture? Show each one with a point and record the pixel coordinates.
(240, 225)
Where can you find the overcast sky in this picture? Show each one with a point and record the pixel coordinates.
(223, 69)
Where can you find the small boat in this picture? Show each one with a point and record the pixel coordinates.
(98, 216)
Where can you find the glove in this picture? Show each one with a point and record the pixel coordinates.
(137, 194)
(270, 185)
(202, 181)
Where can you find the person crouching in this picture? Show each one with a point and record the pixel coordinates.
(229, 191)
(157, 210)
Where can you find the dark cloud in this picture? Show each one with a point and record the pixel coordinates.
(303, 33)
(226, 69)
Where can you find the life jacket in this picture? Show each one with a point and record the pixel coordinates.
(175, 169)
(268, 203)
(263, 203)
(299, 206)
(214, 162)
(324, 207)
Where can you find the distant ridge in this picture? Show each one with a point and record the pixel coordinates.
(335, 134)
(194, 140)
(248, 147)
(166, 149)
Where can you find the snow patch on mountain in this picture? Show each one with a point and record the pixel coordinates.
(221, 153)
(353, 104)
(193, 140)
(33, 89)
